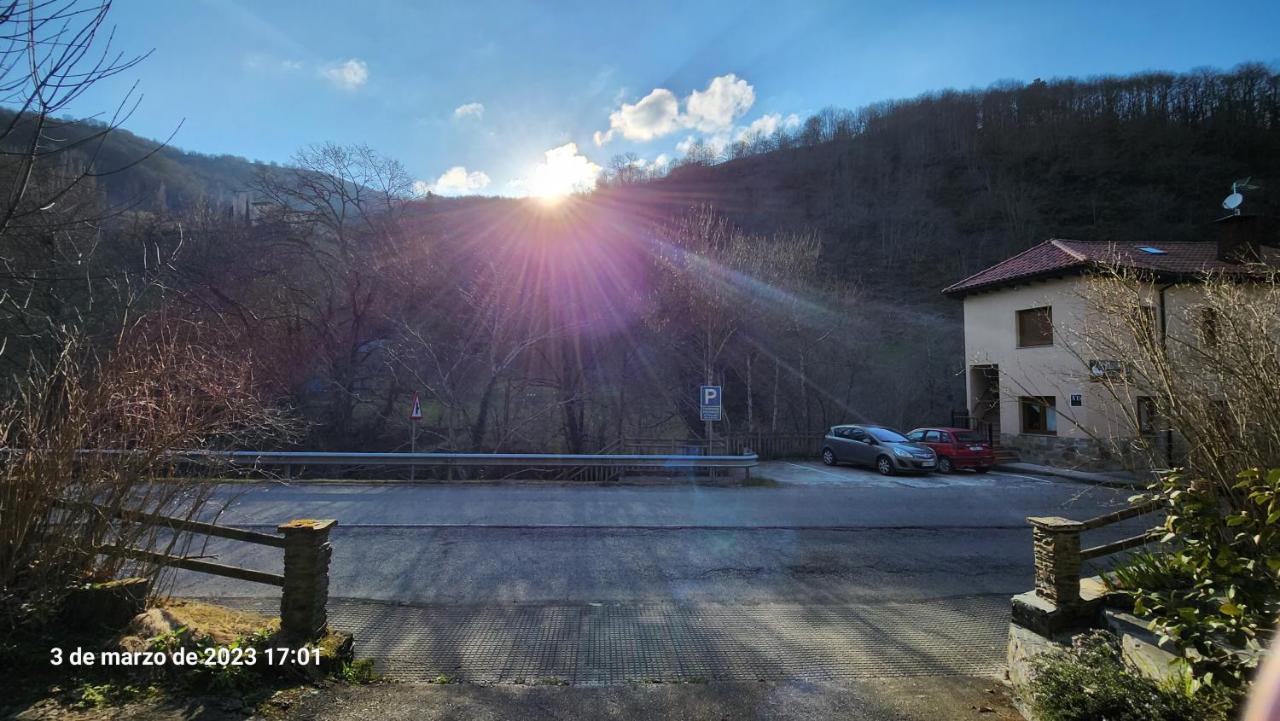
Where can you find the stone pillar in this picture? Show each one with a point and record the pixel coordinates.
(1057, 556)
(306, 579)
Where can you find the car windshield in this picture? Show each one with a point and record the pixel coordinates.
(886, 435)
(967, 437)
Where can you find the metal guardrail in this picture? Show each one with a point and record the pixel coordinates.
(543, 460)
(540, 460)
(592, 466)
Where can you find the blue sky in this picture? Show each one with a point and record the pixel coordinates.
(261, 79)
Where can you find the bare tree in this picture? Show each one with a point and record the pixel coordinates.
(338, 215)
(1200, 386)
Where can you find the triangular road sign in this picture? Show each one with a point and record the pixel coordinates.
(416, 413)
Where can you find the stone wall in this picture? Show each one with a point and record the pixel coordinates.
(1083, 454)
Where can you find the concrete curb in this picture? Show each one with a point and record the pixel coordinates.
(1098, 479)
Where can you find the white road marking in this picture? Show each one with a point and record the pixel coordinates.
(816, 470)
(1005, 474)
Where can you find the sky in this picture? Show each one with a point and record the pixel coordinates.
(519, 98)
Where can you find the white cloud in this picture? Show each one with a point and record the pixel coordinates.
(657, 114)
(660, 162)
(348, 74)
(766, 125)
(563, 170)
(454, 181)
(714, 144)
(259, 62)
(713, 110)
(469, 110)
(725, 100)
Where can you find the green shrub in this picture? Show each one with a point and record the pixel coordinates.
(1212, 587)
(359, 671)
(1090, 681)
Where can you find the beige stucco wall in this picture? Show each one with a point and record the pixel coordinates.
(1060, 370)
(991, 337)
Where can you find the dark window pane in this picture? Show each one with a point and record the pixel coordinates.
(1035, 327)
(1038, 414)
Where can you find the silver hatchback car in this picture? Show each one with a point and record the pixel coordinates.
(884, 449)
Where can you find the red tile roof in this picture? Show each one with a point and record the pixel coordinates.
(1065, 257)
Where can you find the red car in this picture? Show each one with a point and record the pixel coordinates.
(956, 448)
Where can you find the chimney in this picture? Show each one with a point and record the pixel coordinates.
(1240, 238)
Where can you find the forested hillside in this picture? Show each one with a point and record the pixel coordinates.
(908, 196)
(141, 173)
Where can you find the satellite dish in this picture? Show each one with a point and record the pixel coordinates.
(1233, 201)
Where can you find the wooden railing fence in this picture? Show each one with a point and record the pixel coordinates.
(304, 583)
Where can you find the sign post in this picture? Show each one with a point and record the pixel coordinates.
(711, 408)
(415, 415)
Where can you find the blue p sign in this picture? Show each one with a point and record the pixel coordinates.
(710, 396)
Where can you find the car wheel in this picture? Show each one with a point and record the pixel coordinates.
(828, 457)
(944, 465)
(884, 465)
(982, 469)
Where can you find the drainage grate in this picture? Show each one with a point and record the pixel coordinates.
(601, 644)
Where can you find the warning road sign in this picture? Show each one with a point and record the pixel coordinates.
(416, 413)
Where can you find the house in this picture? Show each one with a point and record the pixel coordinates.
(1026, 321)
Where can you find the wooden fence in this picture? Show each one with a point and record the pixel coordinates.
(304, 583)
(1058, 555)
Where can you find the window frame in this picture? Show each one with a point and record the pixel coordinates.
(1146, 410)
(1049, 412)
(1209, 327)
(1018, 326)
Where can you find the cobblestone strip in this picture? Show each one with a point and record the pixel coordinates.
(600, 644)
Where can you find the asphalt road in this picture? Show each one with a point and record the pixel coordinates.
(821, 534)
(852, 575)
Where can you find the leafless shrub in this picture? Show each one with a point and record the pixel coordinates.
(98, 432)
(1211, 367)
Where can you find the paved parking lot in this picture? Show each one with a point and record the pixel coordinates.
(826, 573)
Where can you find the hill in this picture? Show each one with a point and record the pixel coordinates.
(168, 179)
(909, 196)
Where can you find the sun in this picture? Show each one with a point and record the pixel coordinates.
(562, 172)
(549, 199)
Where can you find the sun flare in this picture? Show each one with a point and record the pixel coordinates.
(562, 172)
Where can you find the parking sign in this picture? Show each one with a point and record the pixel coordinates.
(709, 402)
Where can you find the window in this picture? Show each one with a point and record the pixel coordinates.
(916, 436)
(886, 435)
(969, 437)
(858, 434)
(1039, 414)
(1146, 415)
(1209, 327)
(934, 437)
(1035, 327)
(1144, 322)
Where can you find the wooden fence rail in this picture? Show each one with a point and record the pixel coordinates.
(305, 542)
